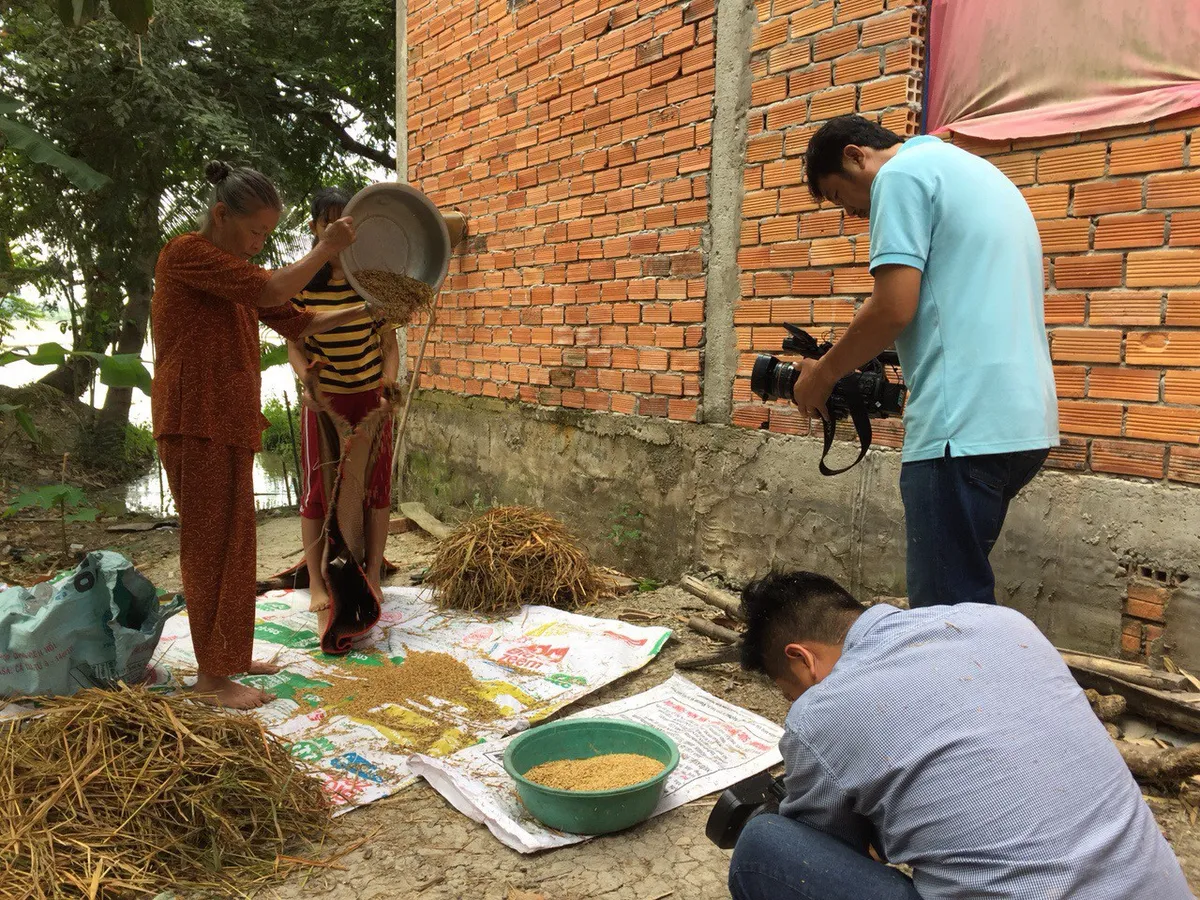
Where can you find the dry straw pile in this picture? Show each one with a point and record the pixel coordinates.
(124, 793)
(512, 555)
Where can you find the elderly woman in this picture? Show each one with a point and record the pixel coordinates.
(208, 301)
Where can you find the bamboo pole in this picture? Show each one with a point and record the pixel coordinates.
(398, 445)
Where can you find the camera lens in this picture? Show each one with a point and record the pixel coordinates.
(762, 376)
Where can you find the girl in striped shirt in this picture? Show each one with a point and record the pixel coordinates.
(360, 359)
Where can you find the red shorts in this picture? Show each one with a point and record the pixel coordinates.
(353, 408)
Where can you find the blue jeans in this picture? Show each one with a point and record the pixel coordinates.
(954, 508)
(781, 859)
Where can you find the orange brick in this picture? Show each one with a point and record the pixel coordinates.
(770, 34)
(849, 10)
(1182, 387)
(1175, 189)
(1125, 308)
(1071, 454)
(1163, 423)
(768, 90)
(836, 42)
(1019, 167)
(1083, 417)
(832, 103)
(1047, 201)
(886, 28)
(1142, 230)
(1146, 601)
(1085, 345)
(1163, 348)
(1186, 119)
(1164, 267)
(751, 416)
(859, 67)
(1064, 235)
(886, 92)
(1074, 163)
(780, 228)
(814, 78)
(831, 252)
(1065, 309)
(1183, 308)
(1097, 270)
(898, 58)
(789, 56)
(788, 114)
(855, 280)
(1069, 380)
(764, 147)
(810, 21)
(1123, 384)
(1184, 465)
(1107, 196)
(1129, 458)
(823, 223)
(1185, 229)
(1162, 151)
(903, 121)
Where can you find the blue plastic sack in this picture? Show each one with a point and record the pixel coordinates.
(96, 626)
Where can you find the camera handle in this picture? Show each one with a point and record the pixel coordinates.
(862, 424)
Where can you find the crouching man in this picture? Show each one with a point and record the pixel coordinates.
(949, 738)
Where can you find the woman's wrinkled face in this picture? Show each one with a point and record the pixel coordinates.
(243, 236)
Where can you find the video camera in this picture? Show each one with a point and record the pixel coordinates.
(862, 395)
(758, 794)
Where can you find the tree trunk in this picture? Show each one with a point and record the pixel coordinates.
(114, 417)
(101, 310)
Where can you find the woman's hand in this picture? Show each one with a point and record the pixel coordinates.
(339, 235)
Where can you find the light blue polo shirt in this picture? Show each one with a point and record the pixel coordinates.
(975, 356)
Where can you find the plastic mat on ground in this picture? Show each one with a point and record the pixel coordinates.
(530, 664)
(719, 745)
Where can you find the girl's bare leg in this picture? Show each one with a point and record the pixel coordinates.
(312, 532)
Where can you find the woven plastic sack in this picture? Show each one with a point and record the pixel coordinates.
(93, 627)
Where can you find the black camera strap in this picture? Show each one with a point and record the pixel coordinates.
(862, 424)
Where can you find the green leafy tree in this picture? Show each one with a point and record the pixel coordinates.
(302, 90)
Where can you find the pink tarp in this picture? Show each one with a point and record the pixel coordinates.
(1005, 69)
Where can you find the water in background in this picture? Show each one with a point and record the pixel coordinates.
(271, 488)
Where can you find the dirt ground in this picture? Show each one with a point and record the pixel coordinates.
(414, 845)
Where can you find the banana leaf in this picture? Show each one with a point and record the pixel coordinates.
(30, 144)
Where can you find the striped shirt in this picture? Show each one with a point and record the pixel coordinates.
(954, 739)
(352, 351)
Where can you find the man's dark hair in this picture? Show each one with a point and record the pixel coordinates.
(824, 154)
(785, 608)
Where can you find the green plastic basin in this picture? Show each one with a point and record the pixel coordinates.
(589, 812)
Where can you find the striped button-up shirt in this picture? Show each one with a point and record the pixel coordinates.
(954, 739)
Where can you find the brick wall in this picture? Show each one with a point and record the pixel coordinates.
(811, 62)
(1119, 216)
(576, 137)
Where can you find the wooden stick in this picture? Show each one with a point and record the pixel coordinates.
(1158, 706)
(398, 446)
(1131, 672)
(426, 521)
(713, 630)
(713, 596)
(730, 654)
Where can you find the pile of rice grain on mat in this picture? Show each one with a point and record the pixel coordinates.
(121, 793)
(510, 556)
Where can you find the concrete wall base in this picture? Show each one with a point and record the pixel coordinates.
(658, 498)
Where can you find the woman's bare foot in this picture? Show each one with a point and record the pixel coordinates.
(323, 620)
(263, 668)
(218, 690)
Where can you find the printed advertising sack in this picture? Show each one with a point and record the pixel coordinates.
(97, 625)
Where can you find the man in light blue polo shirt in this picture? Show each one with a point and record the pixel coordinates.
(957, 265)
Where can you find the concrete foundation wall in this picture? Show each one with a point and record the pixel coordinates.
(658, 498)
